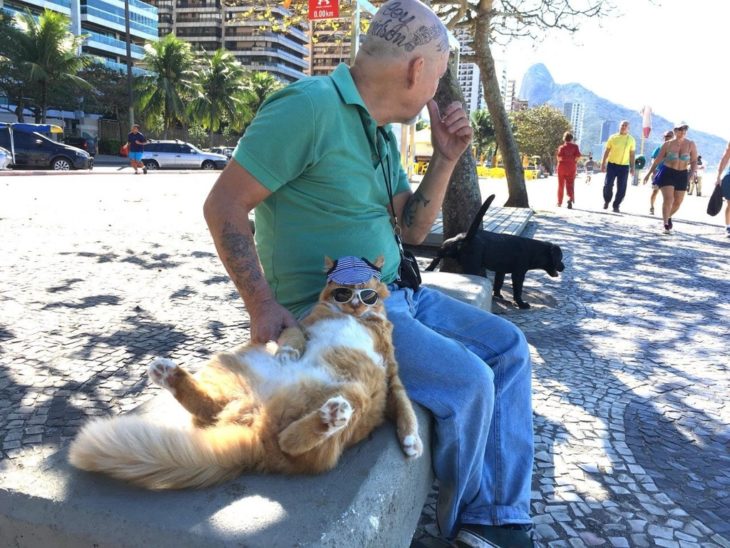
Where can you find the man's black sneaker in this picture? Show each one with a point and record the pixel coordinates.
(669, 222)
(616, 209)
(605, 205)
(495, 536)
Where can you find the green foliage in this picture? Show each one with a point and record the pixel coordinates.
(223, 79)
(109, 146)
(171, 84)
(484, 135)
(539, 132)
(197, 135)
(41, 55)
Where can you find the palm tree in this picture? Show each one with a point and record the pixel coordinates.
(47, 54)
(484, 136)
(223, 79)
(259, 86)
(170, 85)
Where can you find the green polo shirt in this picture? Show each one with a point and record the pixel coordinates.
(312, 145)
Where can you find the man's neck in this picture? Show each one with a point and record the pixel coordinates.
(374, 98)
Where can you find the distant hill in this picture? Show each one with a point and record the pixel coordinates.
(538, 88)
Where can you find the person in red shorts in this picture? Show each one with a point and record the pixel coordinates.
(568, 154)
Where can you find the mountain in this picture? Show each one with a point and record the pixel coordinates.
(538, 88)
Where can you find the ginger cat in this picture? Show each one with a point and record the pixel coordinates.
(329, 385)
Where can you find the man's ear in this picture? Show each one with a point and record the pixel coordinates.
(415, 71)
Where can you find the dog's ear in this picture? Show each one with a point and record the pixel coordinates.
(476, 224)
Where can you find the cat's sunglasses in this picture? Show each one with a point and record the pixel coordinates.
(345, 295)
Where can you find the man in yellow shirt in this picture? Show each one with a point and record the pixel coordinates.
(617, 163)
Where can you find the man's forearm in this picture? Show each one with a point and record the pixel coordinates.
(237, 250)
(424, 205)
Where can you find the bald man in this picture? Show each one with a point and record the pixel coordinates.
(320, 166)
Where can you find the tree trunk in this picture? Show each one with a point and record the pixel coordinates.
(44, 101)
(462, 198)
(502, 127)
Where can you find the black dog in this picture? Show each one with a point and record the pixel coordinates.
(478, 251)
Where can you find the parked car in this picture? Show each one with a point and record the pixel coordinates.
(84, 143)
(226, 151)
(33, 150)
(5, 158)
(179, 154)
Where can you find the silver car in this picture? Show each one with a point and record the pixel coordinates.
(5, 158)
(180, 155)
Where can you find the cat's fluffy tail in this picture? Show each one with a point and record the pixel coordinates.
(156, 456)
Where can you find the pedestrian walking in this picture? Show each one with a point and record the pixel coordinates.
(725, 182)
(470, 368)
(617, 163)
(675, 156)
(695, 183)
(590, 166)
(567, 160)
(136, 142)
(654, 186)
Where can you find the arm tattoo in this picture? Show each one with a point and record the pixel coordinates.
(239, 254)
(411, 207)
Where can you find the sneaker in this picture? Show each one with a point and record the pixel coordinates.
(651, 210)
(605, 205)
(616, 209)
(570, 204)
(667, 228)
(669, 222)
(495, 536)
(728, 232)
(144, 170)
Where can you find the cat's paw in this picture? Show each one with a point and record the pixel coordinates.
(287, 353)
(335, 414)
(161, 371)
(412, 445)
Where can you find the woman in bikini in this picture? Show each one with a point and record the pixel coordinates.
(675, 156)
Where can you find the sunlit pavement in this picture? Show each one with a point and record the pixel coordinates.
(629, 345)
(631, 383)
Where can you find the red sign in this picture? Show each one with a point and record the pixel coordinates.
(324, 9)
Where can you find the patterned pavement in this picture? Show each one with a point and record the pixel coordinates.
(98, 274)
(631, 384)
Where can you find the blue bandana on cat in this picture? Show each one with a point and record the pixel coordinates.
(352, 271)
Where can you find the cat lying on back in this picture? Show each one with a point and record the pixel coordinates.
(294, 412)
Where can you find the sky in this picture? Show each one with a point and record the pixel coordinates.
(669, 54)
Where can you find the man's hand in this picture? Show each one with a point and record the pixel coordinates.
(268, 320)
(451, 132)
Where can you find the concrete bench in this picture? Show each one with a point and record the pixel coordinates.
(373, 498)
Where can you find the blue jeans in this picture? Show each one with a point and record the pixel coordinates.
(471, 369)
(621, 175)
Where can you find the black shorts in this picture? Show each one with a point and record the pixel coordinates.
(678, 178)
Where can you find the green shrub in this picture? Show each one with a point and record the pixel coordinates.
(109, 146)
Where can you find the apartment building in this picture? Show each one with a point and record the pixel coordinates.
(330, 46)
(469, 75)
(103, 21)
(210, 25)
(575, 112)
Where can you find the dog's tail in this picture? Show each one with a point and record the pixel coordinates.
(156, 456)
(477, 222)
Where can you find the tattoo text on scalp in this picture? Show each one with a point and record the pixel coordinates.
(396, 19)
(239, 248)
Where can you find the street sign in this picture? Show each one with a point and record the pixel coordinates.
(324, 9)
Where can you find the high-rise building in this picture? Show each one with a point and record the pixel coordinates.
(469, 75)
(574, 113)
(330, 47)
(210, 25)
(608, 128)
(509, 93)
(103, 21)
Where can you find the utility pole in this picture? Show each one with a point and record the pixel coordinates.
(129, 65)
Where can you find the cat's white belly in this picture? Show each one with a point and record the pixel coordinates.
(272, 374)
(342, 331)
